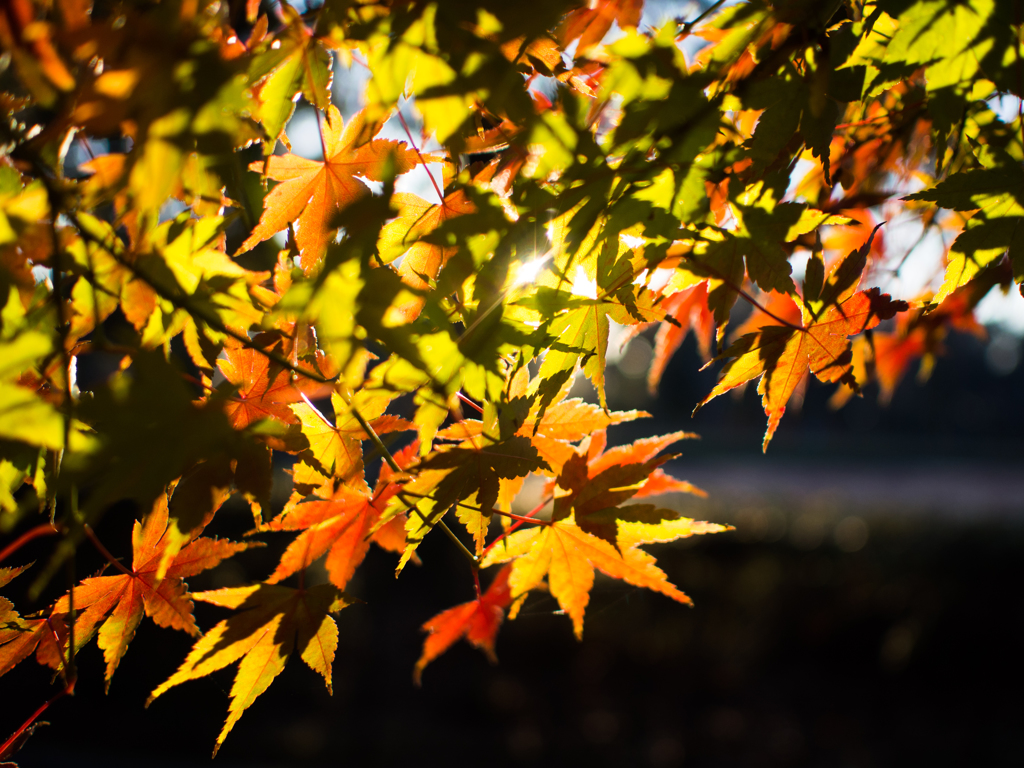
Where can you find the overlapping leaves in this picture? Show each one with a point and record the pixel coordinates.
(598, 177)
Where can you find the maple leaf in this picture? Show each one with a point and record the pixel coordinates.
(272, 622)
(312, 192)
(782, 354)
(337, 448)
(582, 329)
(417, 218)
(477, 621)
(120, 601)
(762, 239)
(568, 422)
(591, 24)
(298, 61)
(593, 483)
(19, 637)
(550, 426)
(886, 357)
(568, 556)
(422, 261)
(264, 390)
(996, 191)
(466, 478)
(689, 308)
(342, 526)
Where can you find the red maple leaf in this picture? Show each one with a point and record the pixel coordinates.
(477, 621)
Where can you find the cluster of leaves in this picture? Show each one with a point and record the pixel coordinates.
(594, 168)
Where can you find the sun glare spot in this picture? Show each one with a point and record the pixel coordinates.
(583, 285)
(530, 270)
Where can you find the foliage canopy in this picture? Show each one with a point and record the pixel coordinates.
(594, 167)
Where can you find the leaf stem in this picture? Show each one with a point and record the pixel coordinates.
(519, 518)
(473, 562)
(519, 523)
(469, 402)
(746, 296)
(320, 132)
(89, 534)
(426, 166)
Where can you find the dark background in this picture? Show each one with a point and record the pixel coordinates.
(797, 652)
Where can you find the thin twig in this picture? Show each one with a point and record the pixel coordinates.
(182, 302)
(63, 326)
(703, 15)
(43, 529)
(68, 689)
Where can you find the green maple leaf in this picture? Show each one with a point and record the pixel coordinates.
(297, 62)
(793, 106)
(583, 329)
(997, 193)
(760, 240)
(957, 44)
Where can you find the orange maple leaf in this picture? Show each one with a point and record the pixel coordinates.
(342, 526)
(594, 482)
(312, 192)
(264, 389)
(689, 308)
(592, 23)
(477, 621)
(568, 556)
(589, 530)
(416, 218)
(19, 637)
(638, 452)
(559, 425)
(119, 601)
(782, 354)
(568, 422)
(887, 357)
